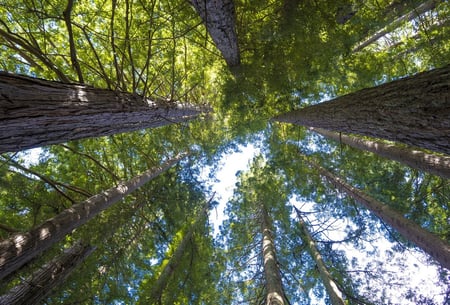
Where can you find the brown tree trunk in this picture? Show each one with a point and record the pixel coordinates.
(330, 286)
(34, 289)
(431, 163)
(22, 247)
(427, 241)
(414, 110)
(220, 21)
(35, 112)
(274, 287)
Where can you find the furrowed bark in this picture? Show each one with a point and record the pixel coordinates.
(220, 21)
(35, 112)
(413, 110)
(432, 163)
(40, 285)
(22, 247)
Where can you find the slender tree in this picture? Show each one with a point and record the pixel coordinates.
(274, 286)
(433, 163)
(157, 289)
(22, 247)
(414, 110)
(330, 285)
(41, 283)
(36, 112)
(427, 241)
(421, 9)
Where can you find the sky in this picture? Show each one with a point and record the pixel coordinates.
(419, 274)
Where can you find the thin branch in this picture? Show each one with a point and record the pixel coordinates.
(115, 177)
(73, 52)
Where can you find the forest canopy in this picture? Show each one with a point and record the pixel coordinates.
(116, 117)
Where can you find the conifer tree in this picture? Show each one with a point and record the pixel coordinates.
(414, 110)
(41, 283)
(22, 247)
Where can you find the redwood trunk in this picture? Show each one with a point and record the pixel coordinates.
(35, 112)
(330, 286)
(34, 289)
(220, 21)
(274, 287)
(431, 163)
(427, 241)
(414, 110)
(22, 247)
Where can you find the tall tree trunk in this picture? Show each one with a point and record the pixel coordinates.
(274, 287)
(36, 112)
(414, 110)
(431, 163)
(161, 283)
(427, 241)
(220, 21)
(421, 9)
(34, 289)
(330, 286)
(22, 247)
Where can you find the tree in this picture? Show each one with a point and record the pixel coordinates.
(414, 110)
(274, 286)
(34, 289)
(220, 21)
(38, 112)
(332, 289)
(433, 163)
(22, 247)
(421, 9)
(428, 242)
(170, 264)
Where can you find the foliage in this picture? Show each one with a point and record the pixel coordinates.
(293, 53)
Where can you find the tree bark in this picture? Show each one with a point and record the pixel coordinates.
(413, 110)
(425, 240)
(36, 112)
(220, 21)
(22, 247)
(274, 286)
(34, 289)
(431, 163)
(421, 9)
(330, 286)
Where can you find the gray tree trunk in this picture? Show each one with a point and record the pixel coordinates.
(425, 240)
(36, 112)
(34, 289)
(421, 9)
(432, 163)
(22, 247)
(413, 110)
(330, 286)
(274, 287)
(220, 21)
